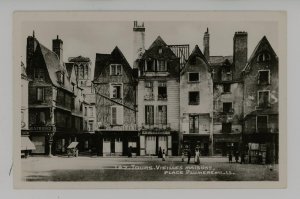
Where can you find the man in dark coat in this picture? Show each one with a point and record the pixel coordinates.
(189, 154)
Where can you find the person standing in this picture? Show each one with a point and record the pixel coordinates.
(189, 155)
(182, 155)
(197, 156)
(159, 153)
(230, 157)
(236, 156)
(163, 155)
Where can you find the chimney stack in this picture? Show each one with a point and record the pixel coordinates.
(57, 47)
(240, 50)
(206, 45)
(30, 49)
(138, 42)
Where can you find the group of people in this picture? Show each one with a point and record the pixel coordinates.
(189, 155)
(236, 157)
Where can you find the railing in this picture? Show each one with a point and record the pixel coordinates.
(149, 97)
(162, 97)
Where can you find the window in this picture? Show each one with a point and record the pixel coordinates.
(115, 69)
(149, 114)
(162, 91)
(226, 127)
(193, 77)
(263, 98)
(227, 107)
(160, 50)
(264, 77)
(162, 66)
(116, 91)
(116, 115)
(194, 123)
(40, 94)
(263, 57)
(148, 91)
(149, 66)
(90, 128)
(226, 88)
(262, 123)
(41, 117)
(38, 73)
(85, 111)
(91, 112)
(194, 98)
(162, 114)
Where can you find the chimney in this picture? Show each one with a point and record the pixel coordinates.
(240, 51)
(206, 45)
(57, 47)
(138, 42)
(30, 49)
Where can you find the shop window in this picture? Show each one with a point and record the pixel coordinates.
(117, 115)
(116, 91)
(149, 114)
(226, 127)
(263, 98)
(194, 123)
(40, 94)
(227, 107)
(194, 77)
(115, 69)
(162, 91)
(162, 114)
(264, 77)
(41, 117)
(226, 88)
(194, 98)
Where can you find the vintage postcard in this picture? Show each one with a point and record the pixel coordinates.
(150, 99)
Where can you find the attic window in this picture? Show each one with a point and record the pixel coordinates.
(115, 69)
(193, 77)
(160, 50)
(263, 57)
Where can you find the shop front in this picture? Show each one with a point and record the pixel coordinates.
(151, 142)
(117, 143)
(42, 138)
(226, 143)
(193, 141)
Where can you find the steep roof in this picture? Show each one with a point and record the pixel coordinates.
(218, 60)
(195, 53)
(153, 50)
(263, 45)
(79, 59)
(53, 66)
(104, 60)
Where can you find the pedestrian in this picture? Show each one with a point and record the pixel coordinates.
(243, 158)
(163, 155)
(230, 157)
(159, 153)
(189, 155)
(130, 152)
(197, 156)
(182, 155)
(236, 156)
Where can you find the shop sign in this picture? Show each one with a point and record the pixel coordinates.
(42, 128)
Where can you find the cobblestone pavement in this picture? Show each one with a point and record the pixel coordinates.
(142, 169)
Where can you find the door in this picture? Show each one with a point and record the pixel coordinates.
(150, 145)
(106, 146)
(118, 146)
(162, 143)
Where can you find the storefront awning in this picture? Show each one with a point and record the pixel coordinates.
(26, 144)
(72, 145)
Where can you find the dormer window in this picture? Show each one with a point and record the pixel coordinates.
(38, 73)
(263, 57)
(162, 66)
(116, 69)
(60, 77)
(160, 50)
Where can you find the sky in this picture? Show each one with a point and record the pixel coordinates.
(88, 38)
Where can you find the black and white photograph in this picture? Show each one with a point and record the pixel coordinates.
(141, 97)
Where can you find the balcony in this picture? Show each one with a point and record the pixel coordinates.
(162, 97)
(149, 97)
(156, 127)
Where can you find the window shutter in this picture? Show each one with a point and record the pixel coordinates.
(111, 91)
(113, 115)
(120, 115)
